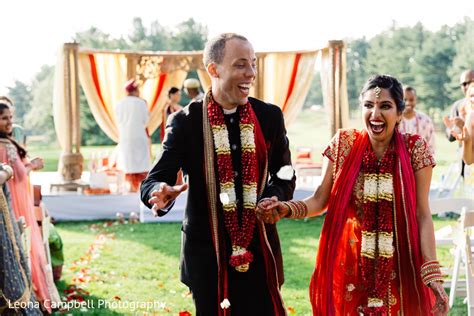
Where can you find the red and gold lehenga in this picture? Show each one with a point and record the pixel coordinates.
(369, 253)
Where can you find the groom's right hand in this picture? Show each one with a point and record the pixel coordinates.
(161, 197)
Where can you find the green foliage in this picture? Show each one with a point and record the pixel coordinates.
(315, 93)
(39, 120)
(393, 52)
(190, 36)
(139, 36)
(159, 37)
(356, 55)
(95, 38)
(431, 62)
(463, 39)
(431, 71)
(20, 94)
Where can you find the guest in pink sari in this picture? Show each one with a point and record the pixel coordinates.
(377, 252)
(22, 203)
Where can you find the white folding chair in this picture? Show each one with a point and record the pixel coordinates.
(463, 255)
(450, 235)
(455, 205)
(450, 181)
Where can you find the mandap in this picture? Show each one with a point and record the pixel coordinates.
(283, 79)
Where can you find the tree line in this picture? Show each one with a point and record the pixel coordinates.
(429, 61)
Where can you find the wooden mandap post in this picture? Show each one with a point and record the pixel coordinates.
(71, 161)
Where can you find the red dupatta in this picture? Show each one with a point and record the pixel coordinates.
(415, 296)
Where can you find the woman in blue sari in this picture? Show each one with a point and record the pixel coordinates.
(16, 292)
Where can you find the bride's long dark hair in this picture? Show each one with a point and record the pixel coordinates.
(19, 148)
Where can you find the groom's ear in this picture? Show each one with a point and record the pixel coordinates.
(212, 70)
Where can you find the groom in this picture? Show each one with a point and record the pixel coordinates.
(231, 147)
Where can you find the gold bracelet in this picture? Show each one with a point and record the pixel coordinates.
(298, 209)
(435, 280)
(429, 262)
(435, 277)
(428, 282)
(430, 271)
(290, 208)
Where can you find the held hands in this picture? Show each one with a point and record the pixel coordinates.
(164, 195)
(270, 210)
(441, 306)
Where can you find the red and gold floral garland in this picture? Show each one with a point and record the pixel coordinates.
(377, 246)
(240, 234)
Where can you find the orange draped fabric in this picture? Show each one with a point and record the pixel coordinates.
(159, 88)
(96, 83)
(102, 77)
(292, 81)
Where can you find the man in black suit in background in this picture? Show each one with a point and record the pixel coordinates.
(235, 152)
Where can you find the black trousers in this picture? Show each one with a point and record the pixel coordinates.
(248, 293)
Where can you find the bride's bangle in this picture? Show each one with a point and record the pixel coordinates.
(431, 272)
(298, 209)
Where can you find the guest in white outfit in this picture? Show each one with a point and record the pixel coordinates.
(191, 87)
(132, 117)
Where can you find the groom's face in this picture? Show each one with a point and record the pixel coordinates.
(236, 73)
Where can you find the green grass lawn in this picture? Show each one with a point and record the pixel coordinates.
(140, 263)
(51, 154)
